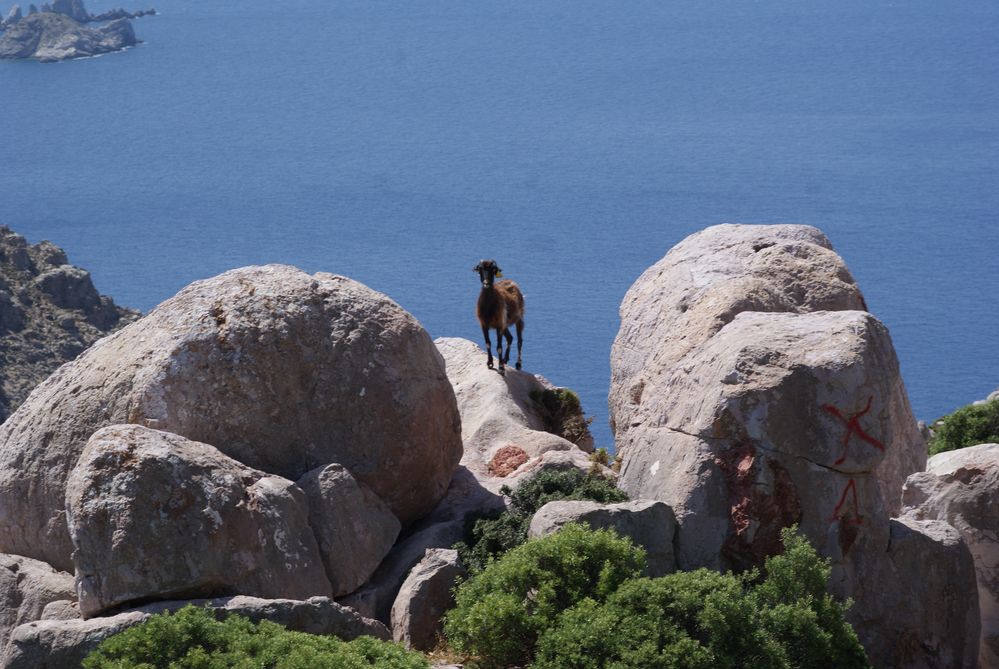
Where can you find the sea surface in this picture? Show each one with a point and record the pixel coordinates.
(574, 141)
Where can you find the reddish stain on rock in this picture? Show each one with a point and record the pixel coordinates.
(757, 513)
(507, 460)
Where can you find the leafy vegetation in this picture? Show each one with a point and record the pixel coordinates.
(530, 606)
(562, 413)
(968, 426)
(192, 638)
(491, 535)
(501, 612)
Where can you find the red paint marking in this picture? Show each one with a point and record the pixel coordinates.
(853, 427)
(856, 518)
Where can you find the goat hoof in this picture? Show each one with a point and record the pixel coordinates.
(489, 364)
(518, 365)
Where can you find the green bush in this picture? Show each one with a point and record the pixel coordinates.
(562, 413)
(502, 611)
(490, 535)
(703, 619)
(968, 426)
(192, 638)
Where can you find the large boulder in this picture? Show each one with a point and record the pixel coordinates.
(701, 285)
(962, 488)
(354, 527)
(62, 644)
(425, 596)
(927, 617)
(648, 523)
(27, 587)
(281, 370)
(751, 391)
(156, 516)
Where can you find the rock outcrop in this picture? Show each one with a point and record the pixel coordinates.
(497, 413)
(27, 588)
(354, 527)
(499, 417)
(648, 523)
(13, 16)
(425, 596)
(49, 313)
(156, 516)
(751, 391)
(60, 644)
(280, 370)
(49, 37)
(962, 488)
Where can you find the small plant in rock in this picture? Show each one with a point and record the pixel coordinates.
(969, 426)
(192, 638)
(562, 413)
(492, 534)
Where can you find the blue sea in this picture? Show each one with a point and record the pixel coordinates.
(574, 141)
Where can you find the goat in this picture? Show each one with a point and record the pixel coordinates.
(500, 306)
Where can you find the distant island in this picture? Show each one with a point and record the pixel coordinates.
(57, 31)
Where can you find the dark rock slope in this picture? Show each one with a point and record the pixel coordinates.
(49, 313)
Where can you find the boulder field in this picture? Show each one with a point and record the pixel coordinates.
(295, 447)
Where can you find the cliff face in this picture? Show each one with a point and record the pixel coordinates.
(49, 313)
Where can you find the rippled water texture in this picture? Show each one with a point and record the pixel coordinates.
(576, 142)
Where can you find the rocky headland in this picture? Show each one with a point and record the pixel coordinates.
(295, 447)
(59, 32)
(49, 313)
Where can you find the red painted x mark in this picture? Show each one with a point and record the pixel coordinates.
(853, 427)
(856, 518)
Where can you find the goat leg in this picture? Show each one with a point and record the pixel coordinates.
(489, 347)
(520, 341)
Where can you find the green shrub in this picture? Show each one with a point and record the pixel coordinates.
(562, 413)
(703, 619)
(502, 611)
(192, 638)
(968, 426)
(490, 535)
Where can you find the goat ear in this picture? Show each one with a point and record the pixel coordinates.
(477, 268)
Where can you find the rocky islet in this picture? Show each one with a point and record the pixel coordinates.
(59, 31)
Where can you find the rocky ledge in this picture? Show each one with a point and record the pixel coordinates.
(49, 313)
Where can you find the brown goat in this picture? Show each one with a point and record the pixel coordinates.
(500, 306)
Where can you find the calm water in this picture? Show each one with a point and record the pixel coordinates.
(576, 142)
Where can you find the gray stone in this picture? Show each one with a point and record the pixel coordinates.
(62, 644)
(353, 527)
(13, 16)
(27, 587)
(962, 488)
(74, 9)
(156, 516)
(929, 613)
(497, 413)
(425, 596)
(281, 370)
(648, 523)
